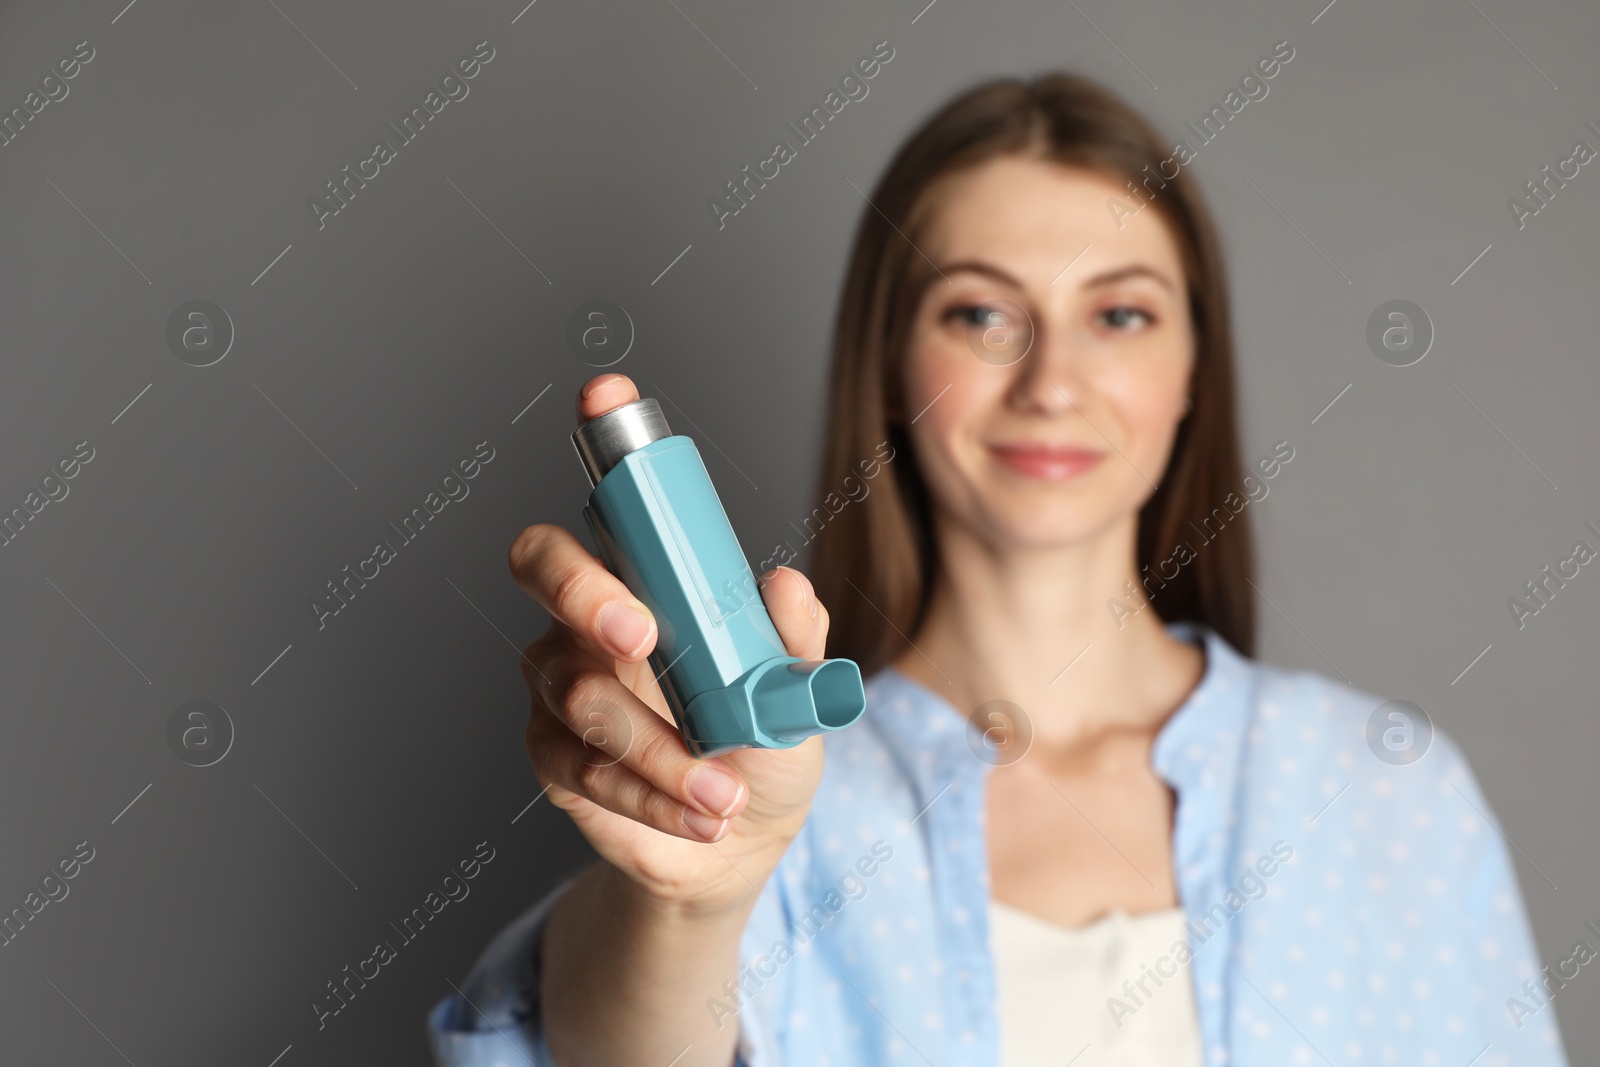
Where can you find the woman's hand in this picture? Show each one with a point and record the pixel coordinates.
(693, 833)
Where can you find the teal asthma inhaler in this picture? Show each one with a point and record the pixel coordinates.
(662, 530)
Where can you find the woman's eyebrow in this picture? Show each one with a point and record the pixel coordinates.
(1110, 277)
(1136, 270)
(978, 266)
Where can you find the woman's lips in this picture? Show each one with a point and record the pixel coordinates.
(1052, 464)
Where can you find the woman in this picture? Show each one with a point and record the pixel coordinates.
(1075, 821)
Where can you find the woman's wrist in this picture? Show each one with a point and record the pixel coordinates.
(701, 910)
(624, 970)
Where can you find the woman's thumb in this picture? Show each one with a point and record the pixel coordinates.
(792, 603)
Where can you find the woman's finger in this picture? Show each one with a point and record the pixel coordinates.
(801, 620)
(604, 744)
(577, 590)
(585, 695)
(602, 393)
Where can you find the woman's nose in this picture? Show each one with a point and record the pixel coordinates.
(1047, 378)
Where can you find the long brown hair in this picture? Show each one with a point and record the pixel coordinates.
(876, 558)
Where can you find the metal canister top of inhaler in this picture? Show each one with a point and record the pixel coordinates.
(662, 529)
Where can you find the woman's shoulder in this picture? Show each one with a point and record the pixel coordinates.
(1308, 720)
(1370, 770)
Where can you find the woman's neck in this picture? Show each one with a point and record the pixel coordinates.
(1055, 632)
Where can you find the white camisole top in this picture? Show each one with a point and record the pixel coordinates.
(1055, 988)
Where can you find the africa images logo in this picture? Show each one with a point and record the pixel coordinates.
(1251, 87)
(852, 87)
(340, 594)
(453, 86)
(351, 981)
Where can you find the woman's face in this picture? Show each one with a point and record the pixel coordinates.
(1047, 376)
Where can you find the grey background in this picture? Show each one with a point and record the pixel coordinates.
(408, 330)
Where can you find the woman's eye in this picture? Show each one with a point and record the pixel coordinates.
(977, 316)
(1122, 318)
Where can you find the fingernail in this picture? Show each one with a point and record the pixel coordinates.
(811, 595)
(623, 627)
(715, 790)
(593, 384)
(703, 826)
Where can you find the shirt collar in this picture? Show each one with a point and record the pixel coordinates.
(1195, 752)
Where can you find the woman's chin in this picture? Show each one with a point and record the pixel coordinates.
(1033, 529)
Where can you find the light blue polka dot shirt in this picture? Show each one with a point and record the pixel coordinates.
(1341, 909)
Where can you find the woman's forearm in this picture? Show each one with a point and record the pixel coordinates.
(625, 979)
